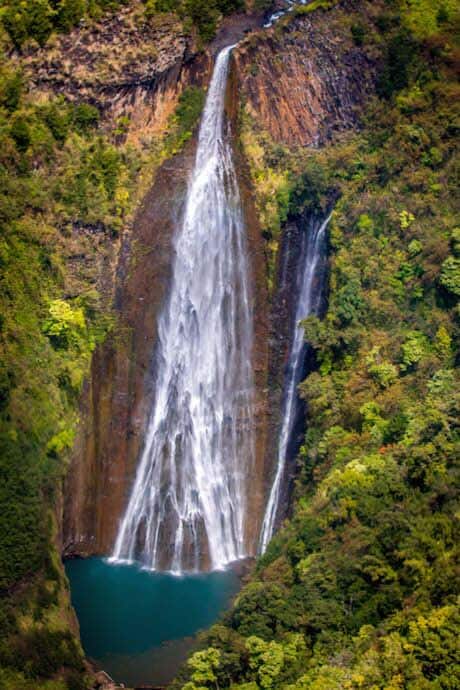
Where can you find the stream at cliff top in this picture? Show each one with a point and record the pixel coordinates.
(138, 625)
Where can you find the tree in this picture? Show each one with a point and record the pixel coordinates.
(14, 20)
(39, 20)
(204, 665)
(450, 275)
(69, 13)
(267, 659)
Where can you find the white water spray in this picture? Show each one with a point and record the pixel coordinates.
(188, 503)
(308, 302)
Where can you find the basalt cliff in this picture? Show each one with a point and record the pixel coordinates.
(303, 84)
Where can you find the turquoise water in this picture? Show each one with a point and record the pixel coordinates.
(138, 625)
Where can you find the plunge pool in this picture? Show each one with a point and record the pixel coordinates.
(138, 625)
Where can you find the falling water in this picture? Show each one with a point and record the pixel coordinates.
(188, 503)
(308, 302)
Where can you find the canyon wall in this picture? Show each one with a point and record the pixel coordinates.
(134, 72)
(127, 67)
(303, 82)
(115, 402)
(119, 394)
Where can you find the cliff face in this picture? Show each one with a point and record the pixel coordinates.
(260, 299)
(120, 388)
(127, 66)
(134, 72)
(119, 394)
(303, 83)
(304, 80)
(369, 501)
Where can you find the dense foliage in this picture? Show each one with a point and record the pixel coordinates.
(204, 14)
(360, 588)
(68, 188)
(36, 20)
(60, 182)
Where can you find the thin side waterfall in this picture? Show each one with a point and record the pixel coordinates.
(308, 302)
(188, 504)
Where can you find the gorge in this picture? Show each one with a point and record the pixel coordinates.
(190, 506)
(123, 384)
(204, 486)
(229, 290)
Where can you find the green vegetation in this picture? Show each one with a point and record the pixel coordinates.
(359, 590)
(204, 14)
(37, 20)
(314, 5)
(69, 187)
(185, 119)
(272, 182)
(61, 180)
(203, 666)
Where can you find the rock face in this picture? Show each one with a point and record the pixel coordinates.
(305, 80)
(119, 394)
(124, 64)
(115, 402)
(256, 255)
(303, 85)
(283, 323)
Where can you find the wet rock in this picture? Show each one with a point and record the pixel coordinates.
(117, 397)
(103, 681)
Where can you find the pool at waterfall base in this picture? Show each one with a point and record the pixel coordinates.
(138, 625)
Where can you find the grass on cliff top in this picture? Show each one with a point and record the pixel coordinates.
(37, 20)
(299, 10)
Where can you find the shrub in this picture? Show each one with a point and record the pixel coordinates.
(69, 13)
(85, 116)
(450, 275)
(358, 33)
(400, 55)
(20, 133)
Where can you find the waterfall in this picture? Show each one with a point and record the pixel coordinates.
(188, 504)
(308, 302)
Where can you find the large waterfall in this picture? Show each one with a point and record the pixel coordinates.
(188, 504)
(309, 284)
